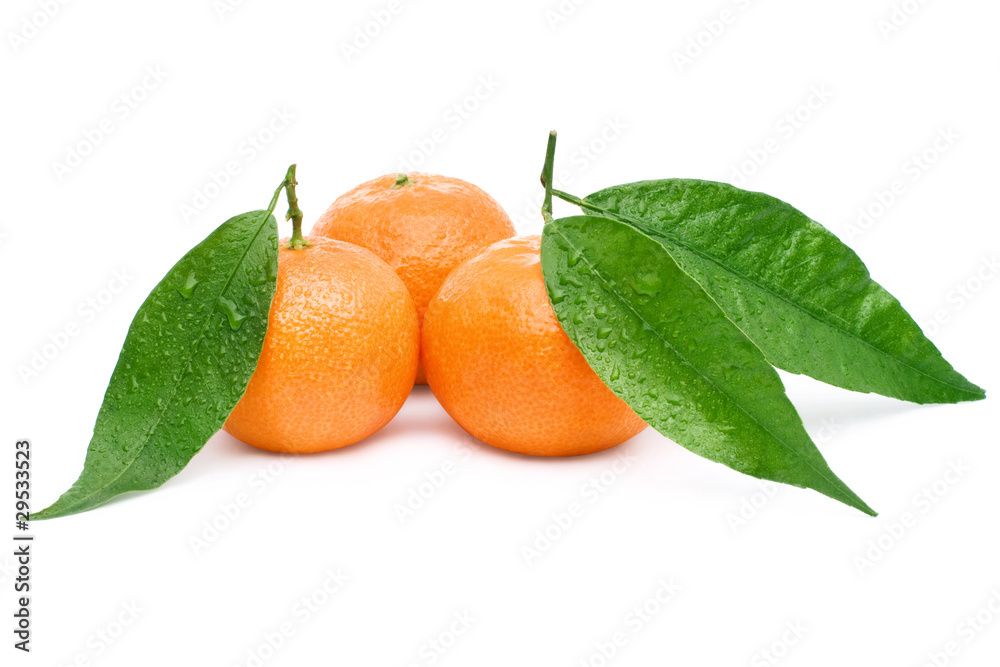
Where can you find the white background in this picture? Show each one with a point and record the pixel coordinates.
(607, 76)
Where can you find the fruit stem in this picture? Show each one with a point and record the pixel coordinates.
(294, 212)
(402, 180)
(550, 158)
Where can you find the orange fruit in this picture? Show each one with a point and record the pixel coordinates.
(502, 367)
(339, 356)
(422, 225)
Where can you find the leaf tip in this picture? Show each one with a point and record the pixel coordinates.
(857, 503)
(42, 515)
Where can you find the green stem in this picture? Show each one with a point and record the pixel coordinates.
(550, 158)
(582, 203)
(402, 180)
(277, 193)
(294, 212)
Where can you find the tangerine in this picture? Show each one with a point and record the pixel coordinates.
(340, 354)
(500, 364)
(422, 225)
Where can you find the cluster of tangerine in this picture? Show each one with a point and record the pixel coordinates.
(418, 278)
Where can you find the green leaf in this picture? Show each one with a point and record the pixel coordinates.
(186, 361)
(661, 343)
(793, 287)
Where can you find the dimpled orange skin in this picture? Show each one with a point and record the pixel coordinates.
(502, 367)
(422, 230)
(340, 353)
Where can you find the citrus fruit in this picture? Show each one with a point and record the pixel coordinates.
(502, 367)
(422, 225)
(340, 353)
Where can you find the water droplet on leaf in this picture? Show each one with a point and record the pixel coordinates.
(234, 316)
(187, 287)
(647, 283)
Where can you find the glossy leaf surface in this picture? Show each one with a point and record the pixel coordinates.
(661, 343)
(187, 359)
(794, 288)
